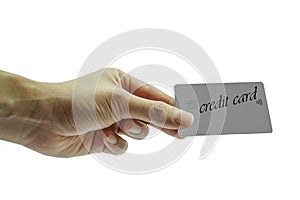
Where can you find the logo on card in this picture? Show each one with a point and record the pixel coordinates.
(191, 105)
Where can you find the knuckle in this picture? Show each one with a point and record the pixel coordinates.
(158, 111)
(120, 104)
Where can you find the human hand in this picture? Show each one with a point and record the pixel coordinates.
(124, 105)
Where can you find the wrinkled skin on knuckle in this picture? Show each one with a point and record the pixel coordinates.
(158, 113)
(103, 108)
(120, 105)
(111, 106)
(110, 77)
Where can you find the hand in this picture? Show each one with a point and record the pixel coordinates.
(41, 116)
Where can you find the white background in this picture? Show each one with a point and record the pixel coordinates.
(247, 40)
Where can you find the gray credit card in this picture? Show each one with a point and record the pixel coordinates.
(224, 108)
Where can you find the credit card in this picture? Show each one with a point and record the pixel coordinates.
(224, 108)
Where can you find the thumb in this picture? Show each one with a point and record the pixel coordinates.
(159, 113)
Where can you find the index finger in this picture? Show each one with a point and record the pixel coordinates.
(144, 90)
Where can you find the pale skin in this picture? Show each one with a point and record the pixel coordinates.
(40, 116)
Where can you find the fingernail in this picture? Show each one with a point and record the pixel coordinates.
(180, 137)
(112, 139)
(135, 129)
(182, 117)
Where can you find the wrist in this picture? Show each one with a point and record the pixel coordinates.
(23, 107)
